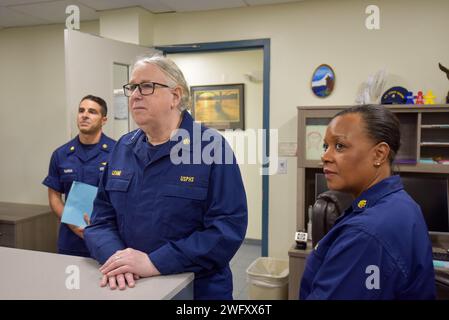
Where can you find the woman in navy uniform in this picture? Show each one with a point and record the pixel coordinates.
(162, 207)
(82, 159)
(380, 247)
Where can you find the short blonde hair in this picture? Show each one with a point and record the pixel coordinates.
(173, 73)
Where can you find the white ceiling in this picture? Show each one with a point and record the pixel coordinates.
(15, 13)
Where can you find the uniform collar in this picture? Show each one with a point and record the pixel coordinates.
(370, 197)
(104, 144)
(186, 141)
(75, 147)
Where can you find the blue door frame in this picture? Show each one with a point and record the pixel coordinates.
(237, 46)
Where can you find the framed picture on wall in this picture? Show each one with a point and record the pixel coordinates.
(219, 106)
(323, 81)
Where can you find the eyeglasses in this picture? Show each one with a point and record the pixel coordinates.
(145, 88)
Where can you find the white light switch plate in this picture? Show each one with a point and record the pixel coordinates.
(282, 166)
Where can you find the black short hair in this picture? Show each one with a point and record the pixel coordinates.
(381, 125)
(100, 101)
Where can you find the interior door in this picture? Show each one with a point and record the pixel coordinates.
(99, 66)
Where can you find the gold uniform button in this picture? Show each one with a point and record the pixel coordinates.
(362, 204)
(105, 146)
(186, 141)
(72, 148)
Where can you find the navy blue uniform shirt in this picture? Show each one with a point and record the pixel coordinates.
(74, 161)
(186, 217)
(378, 249)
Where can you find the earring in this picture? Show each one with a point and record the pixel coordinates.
(377, 164)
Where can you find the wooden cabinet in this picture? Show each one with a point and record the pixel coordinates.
(26, 226)
(296, 262)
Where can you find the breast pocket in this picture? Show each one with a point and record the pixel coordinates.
(182, 209)
(314, 262)
(118, 191)
(67, 176)
(91, 175)
(119, 185)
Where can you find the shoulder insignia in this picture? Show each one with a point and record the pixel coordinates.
(361, 204)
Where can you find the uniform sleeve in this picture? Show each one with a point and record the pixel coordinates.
(102, 236)
(356, 267)
(225, 223)
(52, 179)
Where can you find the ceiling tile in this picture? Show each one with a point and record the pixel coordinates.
(54, 12)
(264, 2)
(19, 2)
(200, 5)
(109, 4)
(34, 12)
(155, 6)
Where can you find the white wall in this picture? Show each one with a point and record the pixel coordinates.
(92, 27)
(411, 42)
(132, 25)
(32, 109)
(230, 67)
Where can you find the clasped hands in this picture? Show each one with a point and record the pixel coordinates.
(125, 267)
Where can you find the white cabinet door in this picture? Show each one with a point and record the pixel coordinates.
(95, 65)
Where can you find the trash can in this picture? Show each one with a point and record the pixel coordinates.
(268, 279)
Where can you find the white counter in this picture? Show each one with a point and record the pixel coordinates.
(26, 274)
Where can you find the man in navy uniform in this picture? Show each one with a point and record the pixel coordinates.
(82, 159)
(154, 215)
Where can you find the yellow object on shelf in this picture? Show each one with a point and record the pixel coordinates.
(429, 98)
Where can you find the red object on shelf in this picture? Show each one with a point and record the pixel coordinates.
(419, 98)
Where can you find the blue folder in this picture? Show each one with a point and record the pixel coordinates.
(80, 200)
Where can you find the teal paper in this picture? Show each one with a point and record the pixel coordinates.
(440, 264)
(80, 201)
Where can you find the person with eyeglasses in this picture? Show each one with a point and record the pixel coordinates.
(82, 159)
(154, 215)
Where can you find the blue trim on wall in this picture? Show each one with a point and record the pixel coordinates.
(244, 45)
(266, 126)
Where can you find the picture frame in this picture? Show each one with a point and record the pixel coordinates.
(219, 106)
(323, 81)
